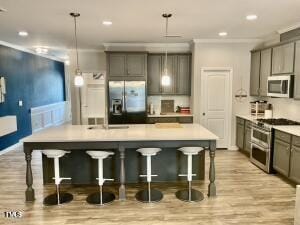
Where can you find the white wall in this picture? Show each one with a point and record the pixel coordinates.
(89, 61)
(233, 55)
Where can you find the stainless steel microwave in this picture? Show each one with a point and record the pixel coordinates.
(281, 86)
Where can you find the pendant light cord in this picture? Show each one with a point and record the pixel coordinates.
(75, 32)
(166, 52)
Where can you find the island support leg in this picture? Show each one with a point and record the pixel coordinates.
(122, 190)
(29, 193)
(212, 186)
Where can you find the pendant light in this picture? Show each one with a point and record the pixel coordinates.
(166, 78)
(78, 80)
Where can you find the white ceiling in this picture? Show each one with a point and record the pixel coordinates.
(48, 21)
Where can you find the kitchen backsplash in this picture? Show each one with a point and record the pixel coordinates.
(178, 101)
(286, 108)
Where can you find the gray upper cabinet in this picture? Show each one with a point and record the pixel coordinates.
(255, 73)
(179, 70)
(136, 64)
(183, 76)
(281, 160)
(265, 71)
(117, 65)
(295, 164)
(171, 65)
(126, 64)
(297, 72)
(283, 59)
(154, 74)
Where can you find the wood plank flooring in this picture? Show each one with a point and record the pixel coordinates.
(246, 195)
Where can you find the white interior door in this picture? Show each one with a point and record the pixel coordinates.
(216, 103)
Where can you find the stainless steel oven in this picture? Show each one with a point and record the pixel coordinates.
(281, 86)
(261, 147)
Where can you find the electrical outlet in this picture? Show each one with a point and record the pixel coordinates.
(20, 103)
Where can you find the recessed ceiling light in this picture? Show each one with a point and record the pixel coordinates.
(251, 17)
(41, 50)
(67, 62)
(107, 23)
(222, 34)
(23, 33)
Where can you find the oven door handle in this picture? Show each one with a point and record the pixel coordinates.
(261, 131)
(260, 147)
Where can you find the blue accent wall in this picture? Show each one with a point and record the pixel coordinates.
(35, 80)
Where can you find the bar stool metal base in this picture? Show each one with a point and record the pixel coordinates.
(63, 198)
(143, 196)
(107, 197)
(189, 195)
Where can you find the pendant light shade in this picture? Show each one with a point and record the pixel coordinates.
(78, 79)
(166, 78)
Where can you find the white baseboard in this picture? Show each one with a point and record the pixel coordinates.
(11, 148)
(233, 148)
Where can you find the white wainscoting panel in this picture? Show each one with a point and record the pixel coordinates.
(49, 115)
(8, 124)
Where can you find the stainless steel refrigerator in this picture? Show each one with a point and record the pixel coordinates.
(127, 102)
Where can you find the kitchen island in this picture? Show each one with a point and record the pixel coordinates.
(82, 137)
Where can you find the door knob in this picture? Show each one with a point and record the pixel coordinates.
(203, 114)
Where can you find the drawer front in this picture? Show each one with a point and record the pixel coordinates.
(151, 120)
(248, 124)
(185, 119)
(296, 141)
(240, 120)
(283, 136)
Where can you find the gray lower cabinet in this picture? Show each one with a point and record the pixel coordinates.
(240, 126)
(179, 70)
(283, 59)
(286, 159)
(265, 71)
(255, 73)
(295, 164)
(247, 139)
(281, 159)
(297, 72)
(185, 119)
(124, 65)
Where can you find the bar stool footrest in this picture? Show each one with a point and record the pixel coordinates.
(187, 195)
(63, 198)
(143, 196)
(107, 198)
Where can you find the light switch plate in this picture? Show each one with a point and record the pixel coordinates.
(20, 103)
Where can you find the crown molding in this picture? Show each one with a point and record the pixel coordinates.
(23, 49)
(249, 40)
(289, 28)
(148, 45)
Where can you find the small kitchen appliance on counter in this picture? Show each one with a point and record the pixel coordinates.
(258, 108)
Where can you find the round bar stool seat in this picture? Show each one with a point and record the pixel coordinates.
(58, 197)
(100, 198)
(149, 195)
(189, 194)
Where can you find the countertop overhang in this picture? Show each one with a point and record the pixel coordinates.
(141, 132)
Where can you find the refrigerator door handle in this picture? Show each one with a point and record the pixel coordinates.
(124, 102)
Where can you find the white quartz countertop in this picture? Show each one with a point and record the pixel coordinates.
(171, 115)
(249, 117)
(291, 129)
(141, 132)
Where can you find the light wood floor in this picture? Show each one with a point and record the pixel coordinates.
(246, 195)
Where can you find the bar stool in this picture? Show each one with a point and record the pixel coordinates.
(100, 198)
(149, 195)
(189, 194)
(58, 197)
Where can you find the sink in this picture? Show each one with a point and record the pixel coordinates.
(110, 127)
